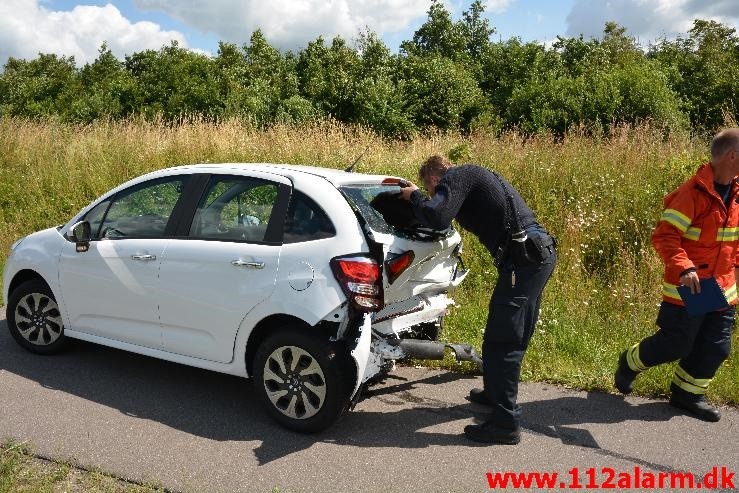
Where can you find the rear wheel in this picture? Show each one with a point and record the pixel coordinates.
(302, 379)
(34, 318)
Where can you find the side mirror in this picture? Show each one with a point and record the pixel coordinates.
(81, 233)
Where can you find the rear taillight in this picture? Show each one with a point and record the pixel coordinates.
(359, 277)
(396, 266)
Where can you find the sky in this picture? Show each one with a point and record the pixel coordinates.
(78, 28)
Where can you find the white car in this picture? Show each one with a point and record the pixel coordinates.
(282, 273)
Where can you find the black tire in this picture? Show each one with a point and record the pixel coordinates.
(34, 319)
(304, 381)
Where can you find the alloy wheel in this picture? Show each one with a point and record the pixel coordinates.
(294, 382)
(38, 319)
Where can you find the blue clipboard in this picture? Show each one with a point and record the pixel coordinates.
(710, 299)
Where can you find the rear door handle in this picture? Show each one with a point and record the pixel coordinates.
(145, 257)
(244, 263)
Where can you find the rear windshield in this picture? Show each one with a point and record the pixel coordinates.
(385, 212)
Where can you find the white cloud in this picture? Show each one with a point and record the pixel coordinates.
(498, 6)
(288, 24)
(27, 28)
(548, 43)
(648, 20)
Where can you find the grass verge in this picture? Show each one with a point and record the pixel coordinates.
(22, 471)
(600, 196)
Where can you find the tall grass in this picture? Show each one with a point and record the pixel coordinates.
(600, 196)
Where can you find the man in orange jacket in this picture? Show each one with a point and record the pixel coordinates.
(696, 237)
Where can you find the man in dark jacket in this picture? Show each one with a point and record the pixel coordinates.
(485, 204)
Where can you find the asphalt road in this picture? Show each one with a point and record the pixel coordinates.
(192, 430)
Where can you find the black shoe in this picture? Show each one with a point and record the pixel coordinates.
(625, 376)
(490, 433)
(700, 408)
(478, 396)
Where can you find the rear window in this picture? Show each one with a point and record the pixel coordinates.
(306, 221)
(385, 212)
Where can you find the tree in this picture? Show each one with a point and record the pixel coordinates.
(106, 89)
(576, 54)
(38, 88)
(175, 83)
(450, 76)
(438, 36)
(440, 92)
(476, 30)
(326, 76)
(376, 101)
(510, 64)
(256, 80)
(264, 62)
(646, 95)
(552, 104)
(621, 49)
(705, 71)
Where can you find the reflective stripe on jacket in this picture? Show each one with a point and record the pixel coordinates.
(696, 231)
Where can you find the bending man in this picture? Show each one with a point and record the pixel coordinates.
(485, 204)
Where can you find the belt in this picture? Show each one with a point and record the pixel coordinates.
(537, 246)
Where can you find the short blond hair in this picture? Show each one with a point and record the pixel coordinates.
(435, 165)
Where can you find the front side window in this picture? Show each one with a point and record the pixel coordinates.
(95, 218)
(144, 210)
(235, 209)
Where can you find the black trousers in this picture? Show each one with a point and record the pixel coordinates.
(514, 309)
(700, 343)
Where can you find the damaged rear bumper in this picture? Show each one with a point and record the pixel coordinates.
(380, 342)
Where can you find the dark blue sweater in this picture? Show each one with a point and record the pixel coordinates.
(475, 197)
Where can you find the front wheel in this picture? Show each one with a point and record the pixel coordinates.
(34, 318)
(302, 380)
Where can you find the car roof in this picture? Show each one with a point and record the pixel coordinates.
(334, 176)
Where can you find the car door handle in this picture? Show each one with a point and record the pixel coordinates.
(244, 263)
(143, 257)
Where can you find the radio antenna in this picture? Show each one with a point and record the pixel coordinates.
(350, 168)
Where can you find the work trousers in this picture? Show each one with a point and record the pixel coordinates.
(700, 343)
(514, 310)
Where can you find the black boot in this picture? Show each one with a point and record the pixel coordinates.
(491, 433)
(625, 376)
(697, 407)
(478, 396)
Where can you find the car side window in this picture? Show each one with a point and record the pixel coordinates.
(95, 218)
(306, 220)
(234, 208)
(143, 211)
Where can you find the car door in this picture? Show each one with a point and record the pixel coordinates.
(110, 290)
(225, 266)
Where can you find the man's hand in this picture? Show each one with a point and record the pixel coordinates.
(406, 191)
(691, 280)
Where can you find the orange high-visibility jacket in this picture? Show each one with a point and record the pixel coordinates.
(696, 231)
